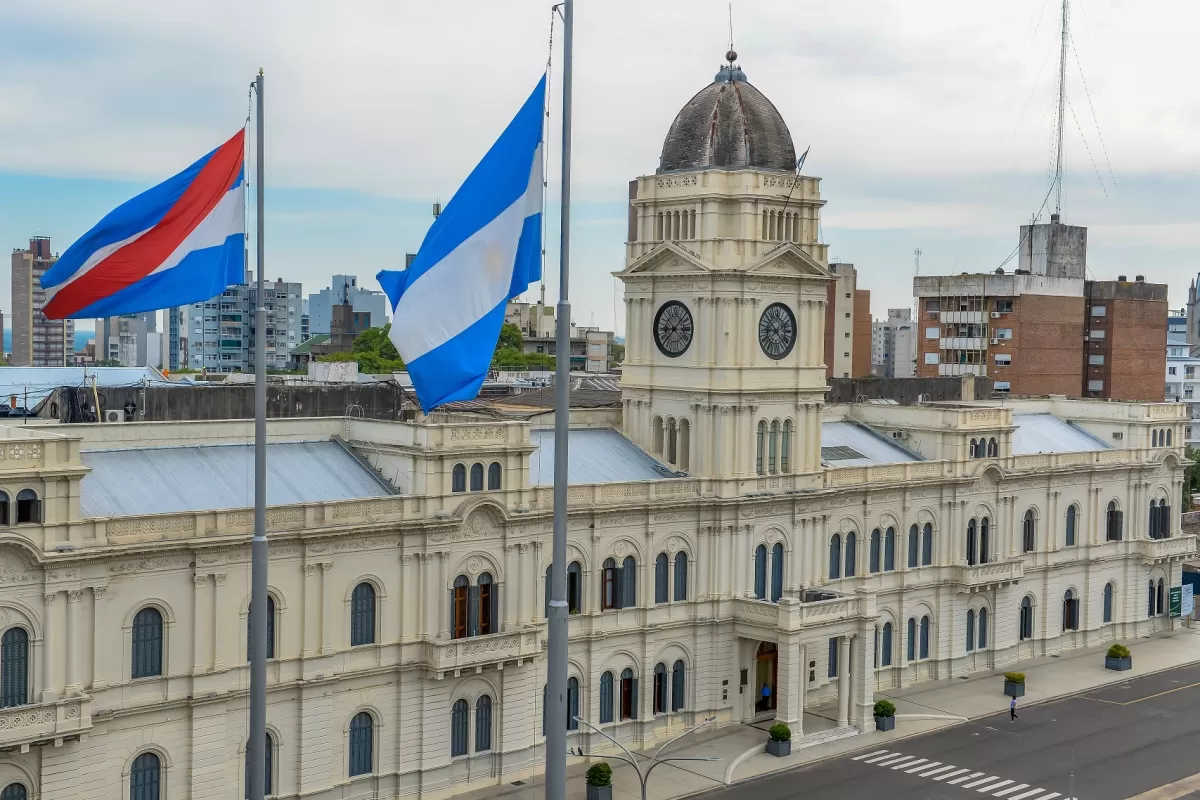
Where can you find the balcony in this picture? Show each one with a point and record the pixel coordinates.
(476, 652)
(1158, 551)
(756, 617)
(962, 343)
(980, 577)
(45, 723)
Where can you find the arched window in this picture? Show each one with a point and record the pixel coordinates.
(678, 679)
(362, 615)
(760, 572)
(661, 576)
(477, 477)
(29, 508)
(1158, 598)
(572, 704)
(914, 547)
(993, 450)
(270, 629)
(1072, 518)
(1150, 600)
(984, 553)
(145, 778)
(924, 637)
(14, 668)
(972, 544)
(610, 585)
(488, 605)
(685, 445)
(885, 655)
(1153, 526)
(14, 791)
(1108, 602)
(1028, 533)
(656, 426)
(628, 582)
(1113, 522)
(606, 698)
(927, 544)
(483, 724)
(760, 444)
(851, 553)
(459, 600)
(574, 588)
(681, 576)
(876, 543)
(983, 632)
(4, 518)
(458, 482)
(776, 572)
(773, 452)
(1154, 438)
(912, 639)
(660, 688)
(494, 476)
(1070, 611)
(835, 557)
(970, 630)
(1026, 627)
(362, 743)
(1164, 521)
(785, 447)
(972, 449)
(1168, 437)
(268, 768)
(147, 643)
(629, 690)
(672, 442)
(889, 550)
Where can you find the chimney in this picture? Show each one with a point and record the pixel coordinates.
(1122, 278)
(1054, 219)
(1140, 278)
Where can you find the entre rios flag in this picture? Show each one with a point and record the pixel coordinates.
(485, 248)
(180, 242)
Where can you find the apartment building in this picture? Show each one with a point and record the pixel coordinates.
(894, 345)
(37, 341)
(344, 290)
(848, 330)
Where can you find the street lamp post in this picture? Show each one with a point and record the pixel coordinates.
(630, 759)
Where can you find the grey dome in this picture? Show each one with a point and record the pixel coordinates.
(728, 125)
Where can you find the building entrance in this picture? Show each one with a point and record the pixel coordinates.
(766, 677)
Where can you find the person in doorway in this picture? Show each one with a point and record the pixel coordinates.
(765, 702)
(1012, 710)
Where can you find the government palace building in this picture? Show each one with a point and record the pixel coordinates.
(728, 530)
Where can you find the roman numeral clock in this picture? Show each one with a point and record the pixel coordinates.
(673, 329)
(777, 331)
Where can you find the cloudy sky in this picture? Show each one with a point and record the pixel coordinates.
(930, 121)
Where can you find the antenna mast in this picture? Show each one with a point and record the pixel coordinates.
(1062, 102)
(917, 257)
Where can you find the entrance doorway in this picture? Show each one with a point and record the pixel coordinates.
(766, 674)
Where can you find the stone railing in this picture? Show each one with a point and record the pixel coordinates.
(607, 494)
(480, 651)
(45, 722)
(790, 614)
(987, 576)
(1036, 461)
(1158, 550)
(885, 473)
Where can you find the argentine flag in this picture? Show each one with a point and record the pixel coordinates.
(485, 248)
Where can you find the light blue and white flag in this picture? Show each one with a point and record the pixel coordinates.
(485, 248)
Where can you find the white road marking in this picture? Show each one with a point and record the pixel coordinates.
(1012, 789)
(979, 782)
(1050, 796)
(868, 755)
(951, 775)
(931, 767)
(918, 762)
(1039, 790)
(883, 755)
(957, 781)
(892, 760)
(993, 786)
(933, 772)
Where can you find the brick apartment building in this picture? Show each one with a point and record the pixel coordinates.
(847, 325)
(1045, 328)
(37, 341)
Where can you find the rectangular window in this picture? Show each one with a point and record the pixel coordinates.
(833, 656)
(1003, 359)
(1095, 386)
(1099, 311)
(931, 332)
(1096, 360)
(933, 305)
(1171, 370)
(1004, 306)
(1096, 334)
(1004, 333)
(931, 358)
(1000, 386)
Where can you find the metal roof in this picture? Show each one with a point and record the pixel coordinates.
(39, 382)
(1046, 433)
(595, 455)
(165, 480)
(858, 446)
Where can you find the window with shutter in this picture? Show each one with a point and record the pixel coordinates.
(14, 668)
(362, 615)
(147, 644)
(776, 572)
(629, 583)
(984, 554)
(873, 560)
(927, 545)
(760, 572)
(145, 778)
(606, 698)
(678, 698)
(362, 744)
(851, 553)
(660, 578)
(483, 724)
(889, 550)
(681, 577)
(914, 547)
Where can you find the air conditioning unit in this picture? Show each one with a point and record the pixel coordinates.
(1118, 435)
(114, 416)
(995, 315)
(995, 341)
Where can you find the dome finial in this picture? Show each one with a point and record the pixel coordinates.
(731, 56)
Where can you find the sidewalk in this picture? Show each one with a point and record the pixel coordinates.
(919, 709)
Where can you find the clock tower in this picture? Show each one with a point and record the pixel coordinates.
(725, 289)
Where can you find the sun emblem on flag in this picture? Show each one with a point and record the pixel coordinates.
(493, 261)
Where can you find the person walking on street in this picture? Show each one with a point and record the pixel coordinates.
(1012, 710)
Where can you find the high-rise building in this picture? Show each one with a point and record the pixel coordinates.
(344, 290)
(894, 345)
(847, 325)
(220, 334)
(37, 341)
(127, 339)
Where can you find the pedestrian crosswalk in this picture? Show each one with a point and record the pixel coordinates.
(962, 777)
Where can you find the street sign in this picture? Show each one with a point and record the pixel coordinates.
(1189, 602)
(1176, 601)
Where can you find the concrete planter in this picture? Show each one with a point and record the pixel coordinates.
(885, 723)
(1118, 664)
(599, 792)
(1014, 689)
(778, 749)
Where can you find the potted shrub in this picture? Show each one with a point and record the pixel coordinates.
(1119, 658)
(599, 781)
(885, 715)
(780, 743)
(1014, 684)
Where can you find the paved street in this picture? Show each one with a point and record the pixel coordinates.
(1121, 740)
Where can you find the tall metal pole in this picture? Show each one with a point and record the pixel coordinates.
(255, 752)
(1062, 101)
(556, 661)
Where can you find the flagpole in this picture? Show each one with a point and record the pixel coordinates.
(557, 617)
(255, 751)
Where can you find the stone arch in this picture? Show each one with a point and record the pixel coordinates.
(472, 689)
(888, 520)
(575, 553)
(272, 591)
(846, 524)
(482, 514)
(15, 613)
(676, 542)
(474, 564)
(16, 772)
(157, 603)
(984, 509)
(927, 514)
(771, 535)
(374, 580)
(673, 651)
(624, 545)
(618, 660)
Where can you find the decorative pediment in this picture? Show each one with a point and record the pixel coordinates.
(668, 258)
(790, 260)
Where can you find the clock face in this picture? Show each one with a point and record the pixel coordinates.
(777, 330)
(673, 329)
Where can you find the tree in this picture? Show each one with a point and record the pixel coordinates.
(616, 353)
(511, 338)
(373, 351)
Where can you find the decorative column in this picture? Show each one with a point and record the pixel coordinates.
(326, 613)
(864, 660)
(222, 610)
(72, 680)
(203, 620)
(843, 679)
(429, 599)
(98, 625)
(790, 706)
(704, 561)
(49, 650)
(312, 611)
(509, 591)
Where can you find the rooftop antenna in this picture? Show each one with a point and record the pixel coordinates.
(1062, 100)
(731, 28)
(917, 256)
(437, 208)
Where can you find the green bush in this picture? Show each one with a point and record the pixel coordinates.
(1118, 651)
(599, 774)
(780, 733)
(884, 708)
(1015, 677)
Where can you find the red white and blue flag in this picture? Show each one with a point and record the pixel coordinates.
(180, 242)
